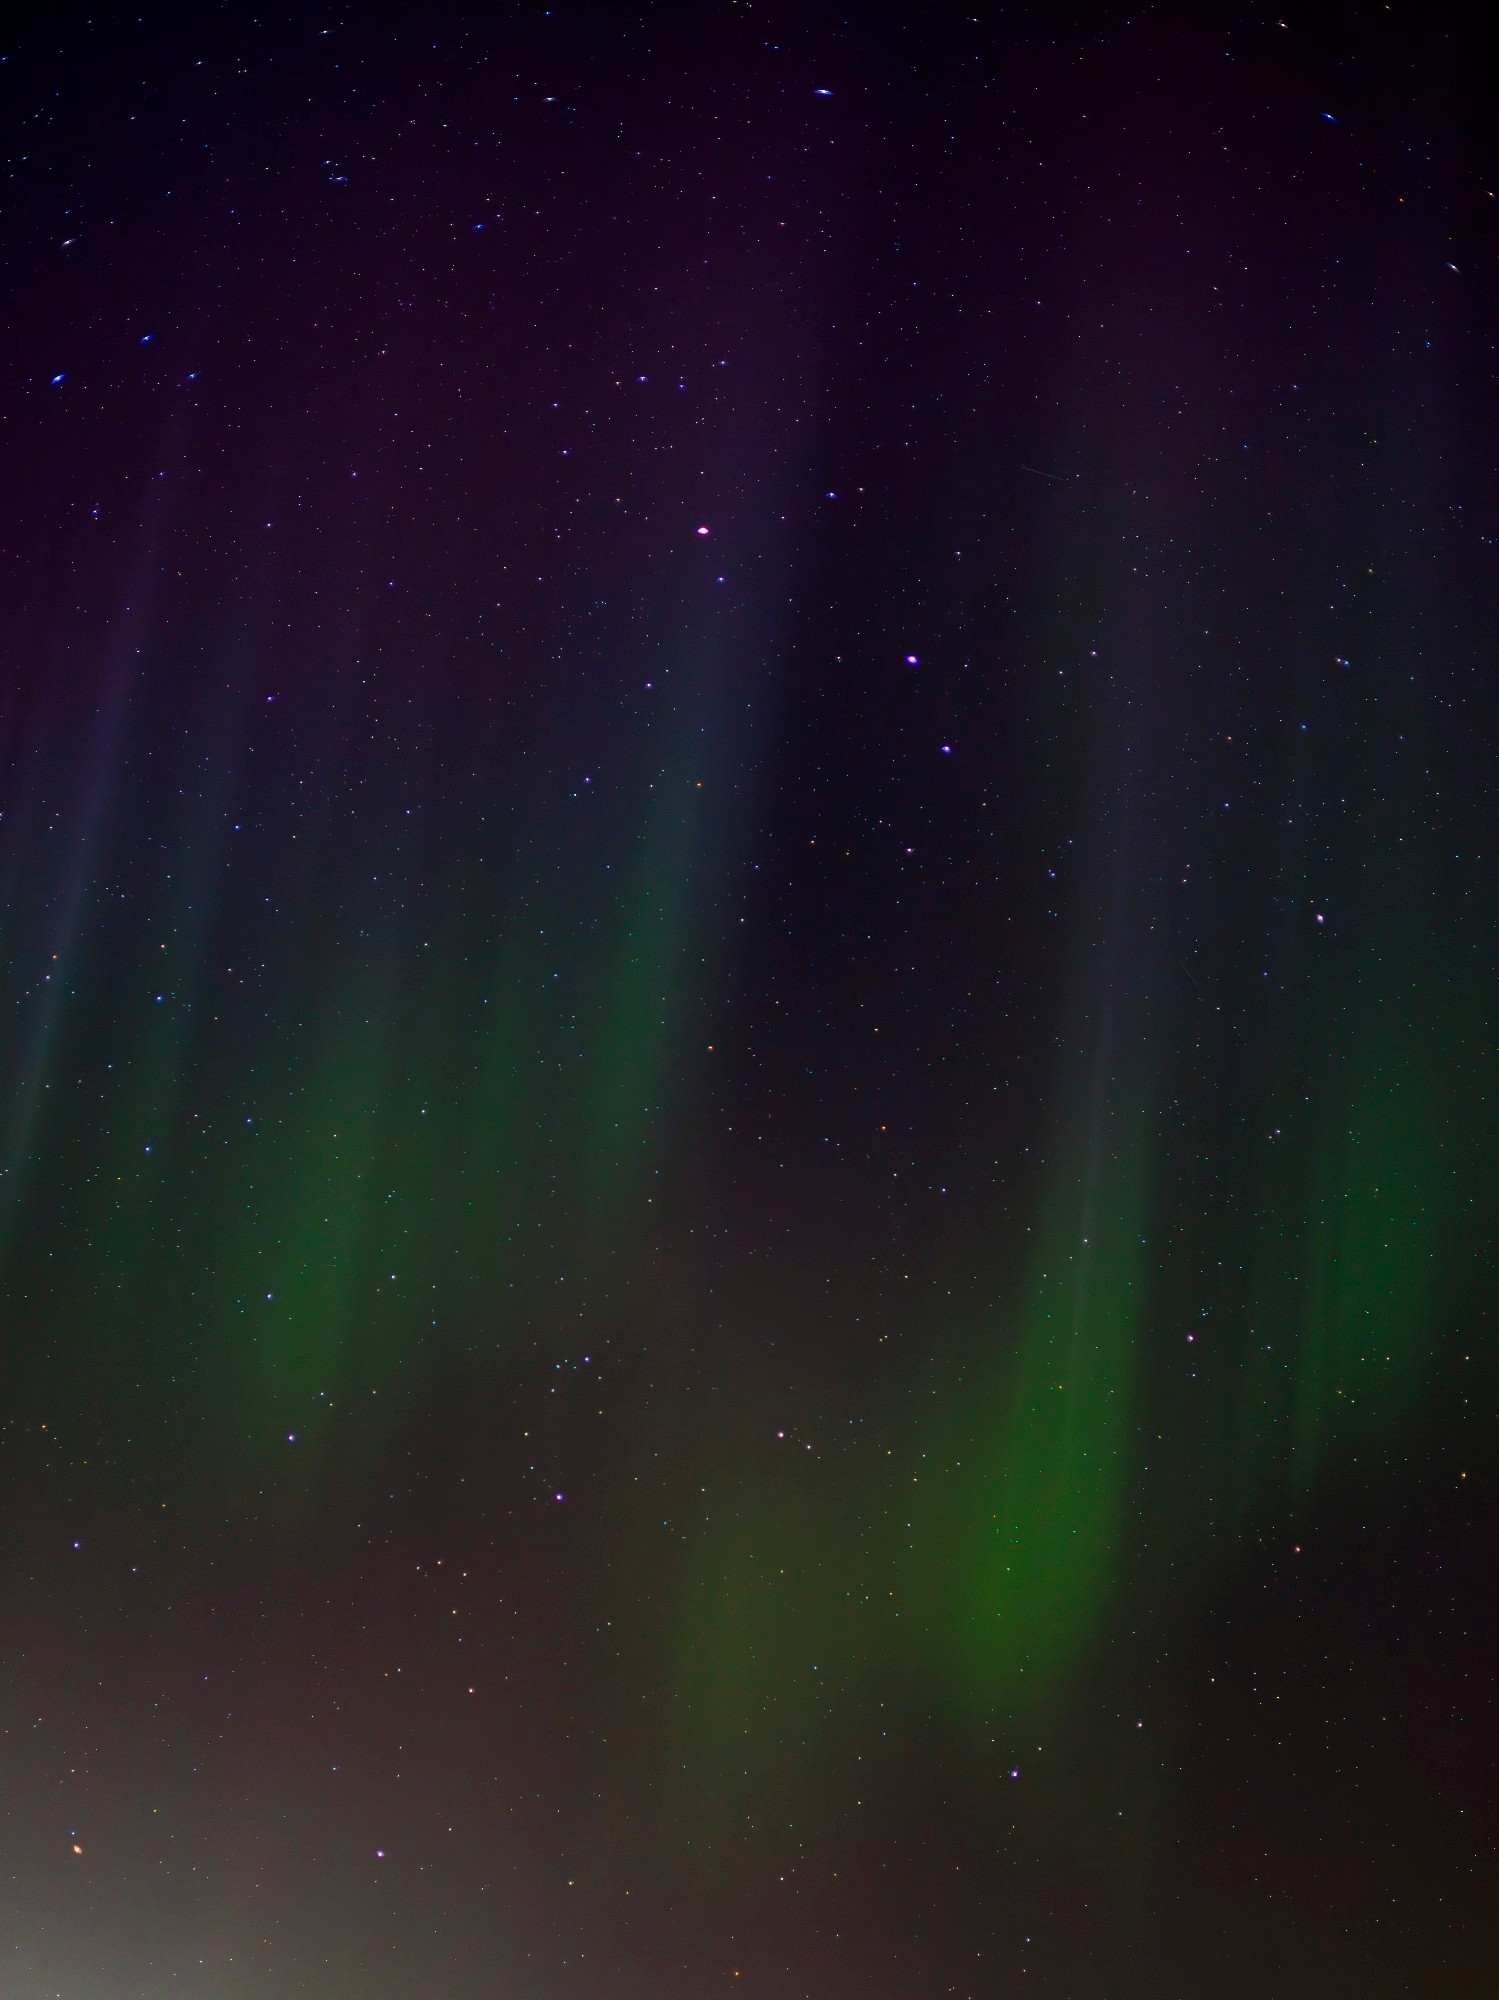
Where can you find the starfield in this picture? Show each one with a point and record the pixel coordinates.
(749, 833)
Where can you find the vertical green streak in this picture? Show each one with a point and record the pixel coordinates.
(293, 1264)
(641, 1031)
(1042, 1509)
(770, 1651)
(1375, 1215)
(632, 1034)
(734, 1646)
(494, 1128)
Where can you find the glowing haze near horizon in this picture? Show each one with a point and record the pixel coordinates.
(746, 942)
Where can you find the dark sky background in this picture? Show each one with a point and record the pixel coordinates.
(747, 948)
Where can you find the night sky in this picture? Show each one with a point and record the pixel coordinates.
(748, 836)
